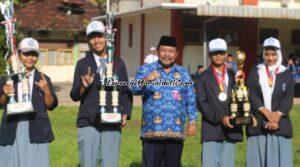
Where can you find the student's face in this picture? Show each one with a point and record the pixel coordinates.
(270, 57)
(167, 54)
(218, 58)
(29, 59)
(97, 42)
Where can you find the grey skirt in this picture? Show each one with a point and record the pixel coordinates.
(269, 151)
(23, 153)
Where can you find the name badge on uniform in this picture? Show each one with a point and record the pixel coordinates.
(176, 95)
(283, 87)
(177, 75)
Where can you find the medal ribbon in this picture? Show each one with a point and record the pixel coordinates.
(220, 81)
(270, 77)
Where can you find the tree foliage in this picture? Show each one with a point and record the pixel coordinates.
(3, 46)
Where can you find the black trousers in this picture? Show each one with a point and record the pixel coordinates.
(162, 153)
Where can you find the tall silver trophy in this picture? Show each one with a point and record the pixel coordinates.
(14, 68)
(114, 116)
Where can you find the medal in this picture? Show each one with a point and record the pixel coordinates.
(270, 77)
(222, 96)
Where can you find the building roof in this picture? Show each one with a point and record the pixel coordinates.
(56, 15)
(218, 10)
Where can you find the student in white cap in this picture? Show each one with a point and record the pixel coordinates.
(271, 90)
(152, 57)
(96, 141)
(213, 90)
(25, 138)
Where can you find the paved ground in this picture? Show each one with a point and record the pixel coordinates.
(63, 93)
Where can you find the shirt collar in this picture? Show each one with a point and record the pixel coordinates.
(173, 68)
(96, 57)
(30, 75)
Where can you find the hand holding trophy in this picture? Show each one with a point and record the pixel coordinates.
(107, 75)
(14, 69)
(240, 105)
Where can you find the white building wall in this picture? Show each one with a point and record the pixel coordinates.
(131, 55)
(59, 73)
(269, 3)
(156, 25)
(192, 57)
(148, 3)
(129, 5)
(285, 33)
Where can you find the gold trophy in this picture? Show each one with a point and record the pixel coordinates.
(240, 105)
(14, 68)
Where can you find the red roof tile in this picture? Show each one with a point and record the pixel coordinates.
(51, 15)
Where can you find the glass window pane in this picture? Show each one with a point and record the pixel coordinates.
(42, 58)
(65, 58)
(52, 57)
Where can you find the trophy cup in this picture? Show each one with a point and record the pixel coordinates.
(109, 117)
(240, 106)
(14, 68)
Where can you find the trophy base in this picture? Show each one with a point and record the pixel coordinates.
(111, 118)
(19, 108)
(242, 121)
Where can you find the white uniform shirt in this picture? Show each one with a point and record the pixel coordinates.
(31, 82)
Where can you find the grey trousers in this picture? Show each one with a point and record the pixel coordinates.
(218, 154)
(269, 151)
(99, 145)
(23, 153)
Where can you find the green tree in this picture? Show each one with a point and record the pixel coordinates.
(3, 47)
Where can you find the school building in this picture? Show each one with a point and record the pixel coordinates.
(244, 24)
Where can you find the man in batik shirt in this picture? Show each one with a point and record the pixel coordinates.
(165, 106)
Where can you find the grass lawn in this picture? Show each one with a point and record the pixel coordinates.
(64, 149)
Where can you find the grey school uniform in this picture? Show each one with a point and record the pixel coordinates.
(27, 147)
(270, 148)
(98, 142)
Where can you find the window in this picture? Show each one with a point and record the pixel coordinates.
(192, 30)
(57, 57)
(65, 57)
(192, 36)
(52, 57)
(42, 57)
(230, 36)
(265, 33)
(295, 37)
